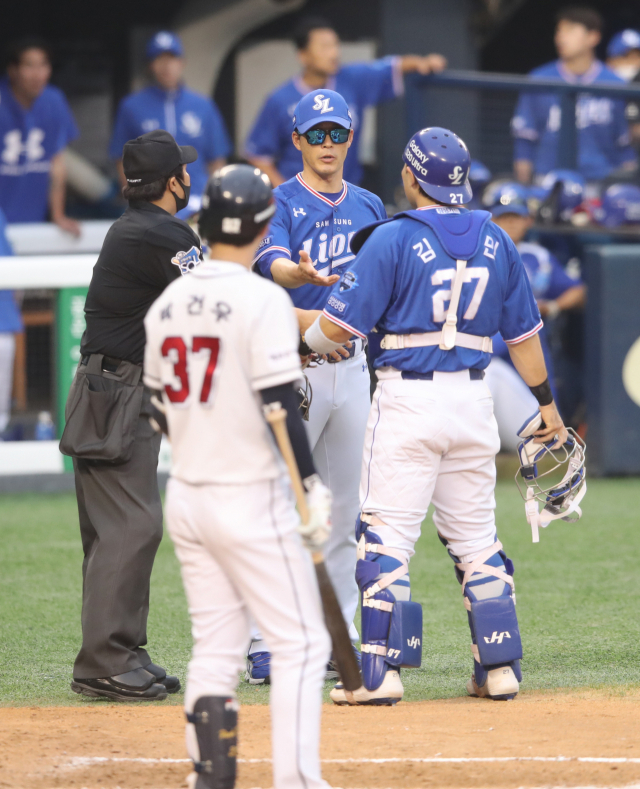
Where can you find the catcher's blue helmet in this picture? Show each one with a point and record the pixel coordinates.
(440, 161)
(620, 206)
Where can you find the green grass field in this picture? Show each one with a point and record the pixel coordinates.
(578, 600)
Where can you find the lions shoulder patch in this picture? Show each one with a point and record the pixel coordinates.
(349, 281)
(187, 261)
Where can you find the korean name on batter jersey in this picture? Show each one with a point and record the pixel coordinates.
(401, 280)
(322, 227)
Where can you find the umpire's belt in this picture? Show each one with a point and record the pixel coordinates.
(357, 346)
(109, 363)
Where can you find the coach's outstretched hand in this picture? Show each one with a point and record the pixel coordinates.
(292, 275)
(309, 275)
(316, 532)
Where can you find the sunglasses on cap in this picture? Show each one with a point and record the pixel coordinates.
(318, 136)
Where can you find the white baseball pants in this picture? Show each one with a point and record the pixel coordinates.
(431, 441)
(336, 429)
(7, 352)
(241, 556)
(513, 402)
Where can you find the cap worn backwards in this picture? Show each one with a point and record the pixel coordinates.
(154, 155)
(320, 106)
(440, 162)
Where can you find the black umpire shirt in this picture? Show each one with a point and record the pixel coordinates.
(144, 250)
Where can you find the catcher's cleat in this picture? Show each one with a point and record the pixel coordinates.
(500, 684)
(258, 668)
(388, 694)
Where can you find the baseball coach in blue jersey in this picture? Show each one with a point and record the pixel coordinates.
(36, 125)
(168, 104)
(362, 85)
(602, 129)
(434, 284)
(308, 246)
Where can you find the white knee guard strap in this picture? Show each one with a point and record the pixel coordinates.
(372, 547)
(478, 566)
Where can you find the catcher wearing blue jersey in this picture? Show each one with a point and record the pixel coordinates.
(433, 285)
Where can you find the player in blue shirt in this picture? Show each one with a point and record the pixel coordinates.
(435, 283)
(308, 245)
(602, 129)
(168, 104)
(10, 324)
(363, 85)
(36, 125)
(554, 290)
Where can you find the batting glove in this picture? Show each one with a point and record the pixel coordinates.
(316, 532)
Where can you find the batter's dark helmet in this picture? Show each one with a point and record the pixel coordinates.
(236, 205)
(440, 161)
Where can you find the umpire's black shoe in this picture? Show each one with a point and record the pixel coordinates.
(136, 685)
(172, 684)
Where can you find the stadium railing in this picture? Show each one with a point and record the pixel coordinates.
(420, 90)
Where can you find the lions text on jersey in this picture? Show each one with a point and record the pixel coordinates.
(322, 225)
(361, 84)
(603, 134)
(29, 139)
(191, 118)
(401, 280)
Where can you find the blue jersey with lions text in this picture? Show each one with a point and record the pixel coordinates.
(322, 225)
(401, 280)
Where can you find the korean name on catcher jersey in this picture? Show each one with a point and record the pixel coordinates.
(321, 225)
(214, 340)
(401, 280)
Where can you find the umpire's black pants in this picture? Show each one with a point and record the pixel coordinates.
(121, 528)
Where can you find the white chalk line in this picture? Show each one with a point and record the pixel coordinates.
(88, 761)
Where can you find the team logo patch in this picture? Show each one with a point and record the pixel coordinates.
(266, 241)
(349, 281)
(191, 124)
(187, 261)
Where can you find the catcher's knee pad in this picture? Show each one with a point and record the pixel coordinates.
(215, 720)
(391, 622)
(489, 597)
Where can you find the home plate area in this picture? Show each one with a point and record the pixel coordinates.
(571, 739)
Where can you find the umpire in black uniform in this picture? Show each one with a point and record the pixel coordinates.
(107, 431)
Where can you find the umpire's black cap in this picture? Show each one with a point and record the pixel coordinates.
(236, 205)
(153, 156)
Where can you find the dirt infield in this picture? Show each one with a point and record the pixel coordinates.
(581, 738)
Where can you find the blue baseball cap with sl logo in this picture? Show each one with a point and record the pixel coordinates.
(319, 106)
(164, 43)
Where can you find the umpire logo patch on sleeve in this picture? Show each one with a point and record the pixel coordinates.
(187, 261)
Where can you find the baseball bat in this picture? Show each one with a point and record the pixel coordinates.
(343, 653)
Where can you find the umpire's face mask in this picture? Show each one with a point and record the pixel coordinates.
(182, 202)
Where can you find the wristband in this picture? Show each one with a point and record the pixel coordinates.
(542, 393)
(318, 341)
